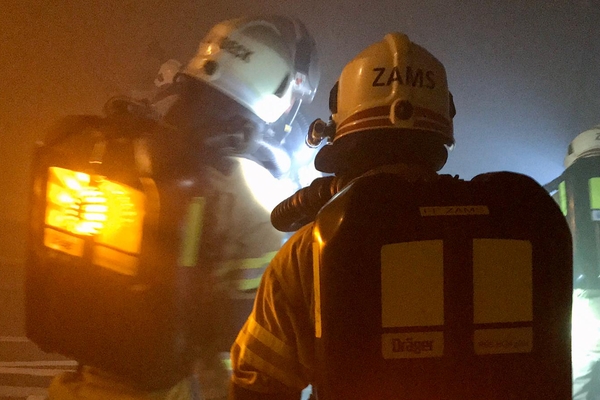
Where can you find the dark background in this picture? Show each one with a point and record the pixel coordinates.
(525, 74)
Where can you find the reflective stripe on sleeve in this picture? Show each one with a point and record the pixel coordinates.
(245, 285)
(268, 339)
(248, 271)
(258, 262)
(258, 362)
(226, 361)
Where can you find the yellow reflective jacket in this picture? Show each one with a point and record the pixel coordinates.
(274, 351)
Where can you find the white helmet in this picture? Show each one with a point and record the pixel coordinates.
(392, 84)
(585, 144)
(267, 64)
(166, 73)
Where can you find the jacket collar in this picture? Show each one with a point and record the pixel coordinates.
(410, 172)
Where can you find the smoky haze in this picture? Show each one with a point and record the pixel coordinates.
(525, 75)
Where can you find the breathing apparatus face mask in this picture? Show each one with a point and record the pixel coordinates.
(212, 117)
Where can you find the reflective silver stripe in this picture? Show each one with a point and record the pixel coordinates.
(262, 365)
(562, 198)
(270, 340)
(246, 263)
(226, 361)
(258, 262)
(248, 284)
(188, 257)
(248, 270)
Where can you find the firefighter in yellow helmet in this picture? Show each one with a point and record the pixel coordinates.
(391, 113)
(232, 106)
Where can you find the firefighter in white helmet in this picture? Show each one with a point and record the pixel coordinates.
(579, 196)
(391, 112)
(233, 105)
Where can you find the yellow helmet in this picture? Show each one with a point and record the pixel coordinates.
(585, 144)
(392, 84)
(267, 64)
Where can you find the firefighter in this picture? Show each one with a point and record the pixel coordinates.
(578, 192)
(232, 107)
(391, 112)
